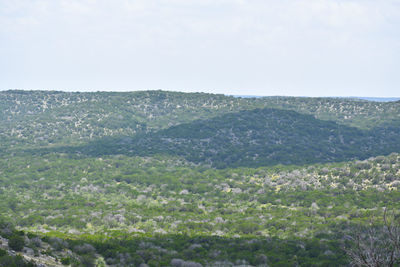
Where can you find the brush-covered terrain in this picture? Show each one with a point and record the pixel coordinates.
(160, 178)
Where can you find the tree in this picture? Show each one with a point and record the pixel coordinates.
(377, 246)
(16, 242)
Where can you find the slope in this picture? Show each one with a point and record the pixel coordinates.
(252, 138)
(43, 118)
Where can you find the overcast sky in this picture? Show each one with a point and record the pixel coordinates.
(242, 47)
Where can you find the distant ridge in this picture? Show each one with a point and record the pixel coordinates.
(375, 99)
(247, 96)
(378, 99)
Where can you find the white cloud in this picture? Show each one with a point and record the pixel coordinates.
(212, 43)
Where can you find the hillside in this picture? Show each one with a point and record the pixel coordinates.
(133, 199)
(158, 178)
(351, 112)
(259, 137)
(42, 118)
(50, 118)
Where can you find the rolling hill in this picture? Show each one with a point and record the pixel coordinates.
(157, 178)
(252, 138)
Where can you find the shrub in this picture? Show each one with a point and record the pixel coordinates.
(36, 242)
(87, 260)
(57, 243)
(84, 249)
(16, 242)
(2, 252)
(66, 261)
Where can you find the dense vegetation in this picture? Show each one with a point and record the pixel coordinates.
(172, 179)
(258, 137)
(42, 117)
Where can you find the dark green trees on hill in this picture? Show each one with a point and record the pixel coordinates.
(259, 137)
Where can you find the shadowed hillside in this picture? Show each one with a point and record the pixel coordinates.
(252, 138)
(43, 118)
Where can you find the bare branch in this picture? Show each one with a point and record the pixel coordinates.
(377, 246)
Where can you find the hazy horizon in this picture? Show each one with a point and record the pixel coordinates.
(383, 99)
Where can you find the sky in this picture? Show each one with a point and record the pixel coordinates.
(235, 47)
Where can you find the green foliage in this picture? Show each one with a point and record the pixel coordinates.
(15, 261)
(174, 179)
(66, 261)
(259, 137)
(16, 242)
(43, 117)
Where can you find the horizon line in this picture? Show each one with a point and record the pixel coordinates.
(188, 92)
